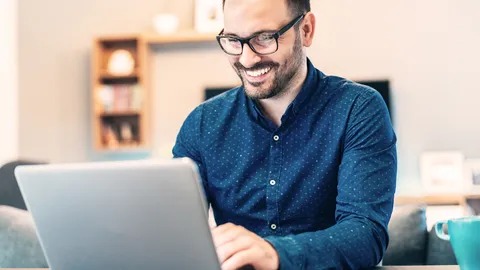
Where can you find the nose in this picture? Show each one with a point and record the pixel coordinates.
(249, 58)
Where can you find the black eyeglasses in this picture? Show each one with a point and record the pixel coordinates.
(262, 43)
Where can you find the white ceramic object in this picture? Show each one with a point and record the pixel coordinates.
(165, 23)
(121, 63)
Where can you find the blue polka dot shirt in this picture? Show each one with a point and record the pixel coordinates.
(319, 187)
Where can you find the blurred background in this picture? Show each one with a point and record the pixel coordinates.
(425, 52)
(108, 80)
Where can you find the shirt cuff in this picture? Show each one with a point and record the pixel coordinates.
(290, 252)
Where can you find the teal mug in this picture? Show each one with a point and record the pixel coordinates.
(464, 236)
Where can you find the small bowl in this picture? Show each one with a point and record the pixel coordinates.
(165, 23)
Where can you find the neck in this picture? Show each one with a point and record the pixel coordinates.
(275, 107)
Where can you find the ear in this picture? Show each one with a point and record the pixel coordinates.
(308, 29)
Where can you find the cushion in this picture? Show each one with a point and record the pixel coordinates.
(439, 251)
(408, 236)
(19, 245)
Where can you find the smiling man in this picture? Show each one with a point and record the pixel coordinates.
(299, 167)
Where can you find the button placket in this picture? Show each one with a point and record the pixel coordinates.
(272, 187)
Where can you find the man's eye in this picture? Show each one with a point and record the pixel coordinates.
(265, 37)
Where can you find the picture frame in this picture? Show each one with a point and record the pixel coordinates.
(208, 16)
(472, 176)
(442, 172)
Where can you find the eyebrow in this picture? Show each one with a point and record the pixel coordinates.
(253, 34)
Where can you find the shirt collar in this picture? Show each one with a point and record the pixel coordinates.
(308, 87)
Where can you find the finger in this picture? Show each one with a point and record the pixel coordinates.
(224, 236)
(221, 228)
(251, 256)
(219, 232)
(229, 249)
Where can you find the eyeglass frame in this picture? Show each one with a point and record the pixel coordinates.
(246, 40)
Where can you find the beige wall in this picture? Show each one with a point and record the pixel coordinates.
(8, 77)
(54, 68)
(182, 74)
(429, 49)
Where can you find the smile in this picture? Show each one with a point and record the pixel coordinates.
(258, 72)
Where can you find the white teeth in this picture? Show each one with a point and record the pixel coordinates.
(259, 72)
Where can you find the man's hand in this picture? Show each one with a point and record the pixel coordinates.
(238, 247)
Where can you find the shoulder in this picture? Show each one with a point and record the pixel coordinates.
(356, 92)
(224, 100)
(222, 103)
(352, 97)
(347, 99)
(215, 107)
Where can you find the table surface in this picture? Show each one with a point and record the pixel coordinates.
(419, 267)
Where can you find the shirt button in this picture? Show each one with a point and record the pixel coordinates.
(276, 138)
(272, 182)
(273, 226)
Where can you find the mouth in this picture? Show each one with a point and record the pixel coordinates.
(257, 75)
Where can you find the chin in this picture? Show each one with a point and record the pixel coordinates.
(262, 91)
(256, 92)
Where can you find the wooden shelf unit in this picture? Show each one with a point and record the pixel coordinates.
(107, 119)
(119, 107)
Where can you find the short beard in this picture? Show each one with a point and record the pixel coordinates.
(284, 73)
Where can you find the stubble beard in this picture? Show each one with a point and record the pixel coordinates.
(283, 74)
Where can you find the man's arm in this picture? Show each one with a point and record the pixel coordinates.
(187, 145)
(366, 187)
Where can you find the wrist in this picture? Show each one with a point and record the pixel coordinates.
(273, 254)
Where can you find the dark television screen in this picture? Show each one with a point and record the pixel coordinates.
(213, 91)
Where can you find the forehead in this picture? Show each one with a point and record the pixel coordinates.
(244, 17)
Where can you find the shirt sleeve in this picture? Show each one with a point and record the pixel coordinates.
(365, 194)
(188, 145)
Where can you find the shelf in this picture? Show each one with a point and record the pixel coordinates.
(180, 37)
(119, 113)
(118, 38)
(124, 149)
(155, 38)
(105, 75)
(440, 199)
(472, 196)
(431, 199)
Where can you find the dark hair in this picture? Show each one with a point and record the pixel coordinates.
(296, 7)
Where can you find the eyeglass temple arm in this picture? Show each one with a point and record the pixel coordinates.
(288, 26)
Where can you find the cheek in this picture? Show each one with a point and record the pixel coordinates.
(279, 57)
(286, 51)
(233, 59)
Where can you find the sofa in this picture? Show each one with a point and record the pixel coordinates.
(9, 191)
(19, 245)
(412, 243)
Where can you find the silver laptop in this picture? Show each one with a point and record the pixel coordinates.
(120, 215)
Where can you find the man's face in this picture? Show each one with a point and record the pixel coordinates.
(264, 76)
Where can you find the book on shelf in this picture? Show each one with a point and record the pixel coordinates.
(119, 97)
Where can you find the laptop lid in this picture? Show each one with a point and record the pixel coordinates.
(120, 215)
